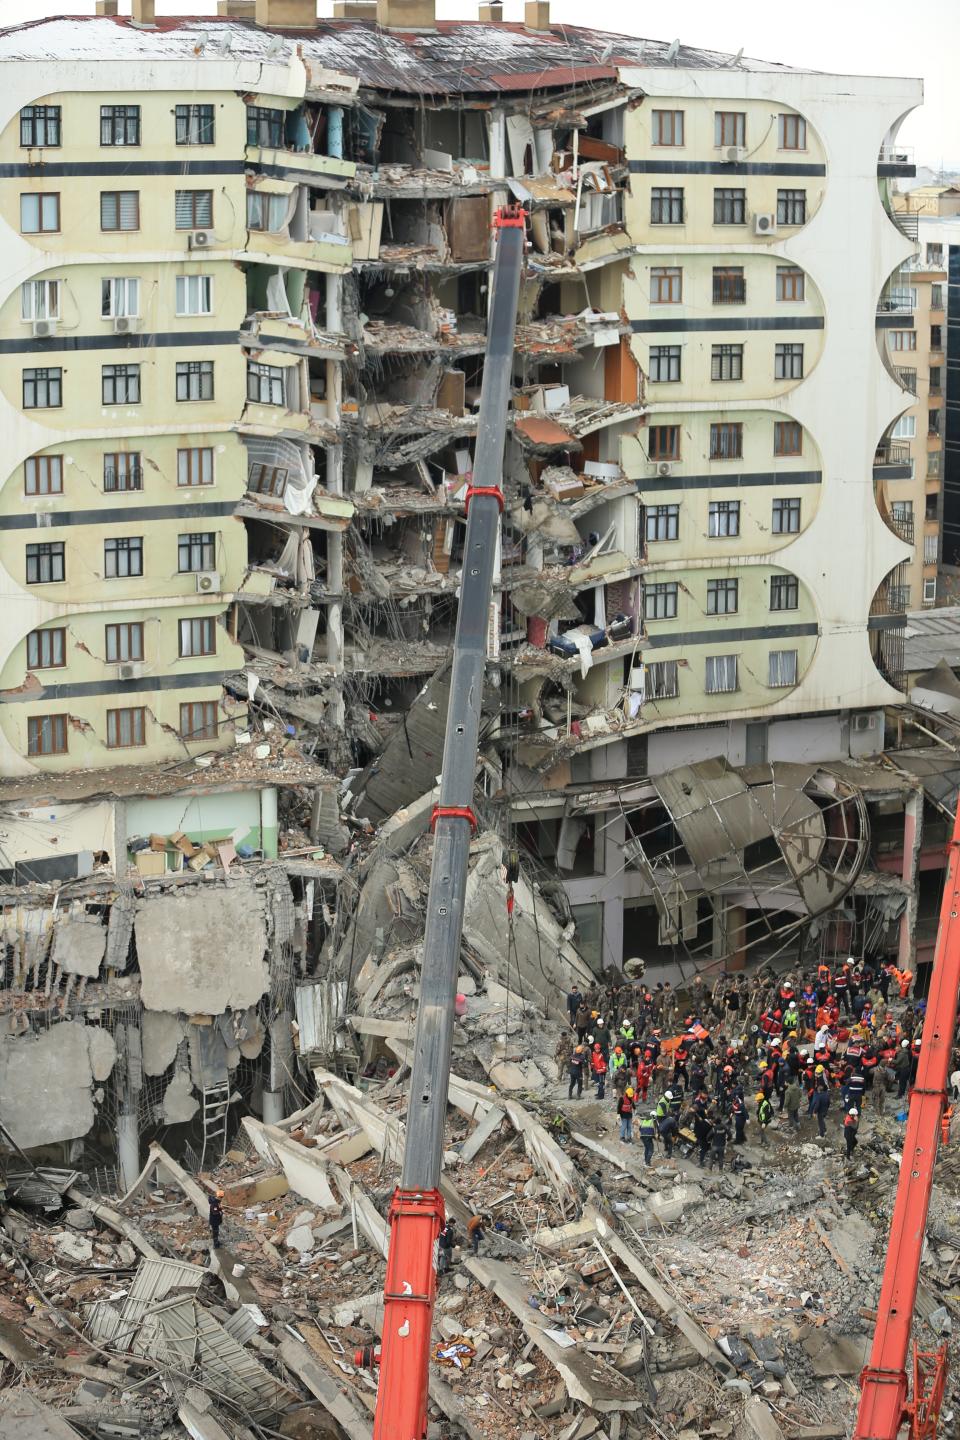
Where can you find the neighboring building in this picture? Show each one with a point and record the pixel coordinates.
(242, 338)
(909, 465)
(935, 212)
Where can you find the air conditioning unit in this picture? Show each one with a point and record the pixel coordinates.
(132, 670)
(764, 224)
(199, 239)
(125, 324)
(661, 467)
(43, 329)
(736, 153)
(208, 581)
(865, 722)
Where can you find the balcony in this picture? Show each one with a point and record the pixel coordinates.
(907, 379)
(902, 526)
(892, 461)
(896, 160)
(896, 307)
(891, 599)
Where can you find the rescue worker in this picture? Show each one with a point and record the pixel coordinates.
(582, 1021)
(764, 1115)
(576, 1072)
(820, 1099)
(703, 1133)
(475, 1233)
(793, 1099)
(648, 1133)
(738, 1110)
(574, 1001)
(718, 1143)
(446, 1241)
(901, 1068)
(625, 1111)
(216, 1217)
(851, 1123)
(598, 1067)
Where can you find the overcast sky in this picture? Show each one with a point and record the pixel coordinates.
(848, 36)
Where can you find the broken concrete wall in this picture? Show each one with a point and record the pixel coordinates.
(547, 959)
(46, 1084)
(185, 964)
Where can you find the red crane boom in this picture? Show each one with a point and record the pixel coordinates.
(884, 1405)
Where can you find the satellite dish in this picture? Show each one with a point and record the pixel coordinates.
(673, 52)
(274, 48)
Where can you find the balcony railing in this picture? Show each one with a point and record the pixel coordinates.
(906, 378)
(891, 452)
(902, 525)
(895, 305)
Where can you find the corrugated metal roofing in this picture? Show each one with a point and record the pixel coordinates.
(458, 57)
(932, 635)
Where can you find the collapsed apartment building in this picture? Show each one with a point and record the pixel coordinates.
(691, 775)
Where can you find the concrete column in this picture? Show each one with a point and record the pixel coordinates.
(128, 1149)
(273, 1107)
(335, 579)
(334, 305)
(910, 868)
(498, 145)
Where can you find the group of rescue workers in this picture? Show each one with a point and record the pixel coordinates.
(697, 1073)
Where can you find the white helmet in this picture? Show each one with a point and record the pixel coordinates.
(854, 1112)
(668, 1094)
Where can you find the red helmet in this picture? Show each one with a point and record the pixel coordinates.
(777, 1014)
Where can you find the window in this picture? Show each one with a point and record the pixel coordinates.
(723, 518)
(119, 296)
(40, 214)
(726, 441)
(936, 297)
(936, 378)
(929, 592)
(662, 680)
(936, 337)
(791, 132)
(664, 363)
(721, 674)
(788, 362)
(666, 284)
(197, 637)
(666, 206)
(903, 339)
(267, 212)
(196, 552)
(782, 668)
(729, 285)
(193, 209)
(729, 207)
(43, 475)
(902, 512)
(786, 516)
(784, 592)
(791, 282)
(934, 254)
(40, 300)
(660, 601)
(194, 295)
(788, 438)
(124, 643)
(265, 383)
(47, 649)
(42, 388)
(119, 124)
(662, 522)
(931, 504)
(47, 735)
(122, 471)
(723, 597)
(126, 728)
(267, 479)
(45, 562)
(194, 124)
(933, 422)
(729, 127)
(664, 442)
(726, 362)
(194, 379)
(120, 384)
(666, 127)
(265, 125)
(123, 557)
(791, 207)
(933, 466)
(905, 428)
(40, 128)
(198, 721)
(195, 466)
(120, 210)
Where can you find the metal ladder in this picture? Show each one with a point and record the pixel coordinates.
(216, 1106)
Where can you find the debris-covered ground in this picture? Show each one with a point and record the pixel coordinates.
(607, 1298)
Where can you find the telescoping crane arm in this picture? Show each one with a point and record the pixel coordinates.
(884, 1407)
(416, 1211)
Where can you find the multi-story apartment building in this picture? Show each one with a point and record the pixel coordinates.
(933, 212)
(241, 347)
